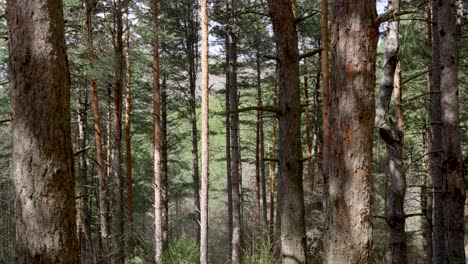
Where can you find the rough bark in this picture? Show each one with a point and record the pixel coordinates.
(351, 115)
(204, 137)
(439, 254)
(103, 202)
(392, 135)
(293, 238)
(449, 22)
(157, 140)
(128, 136)
(42, 159)
(234, 122)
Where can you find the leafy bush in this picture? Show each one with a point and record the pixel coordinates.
(181, 251)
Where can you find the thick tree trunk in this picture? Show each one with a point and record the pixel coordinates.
(85, 232)
(351, 115)
(439, 255)
(157, 148)
(234, 122)
(293, 237)
(118, 256)
(42, 162)
(128, 136)
(204, 137)
(392, 135)
(453, 186)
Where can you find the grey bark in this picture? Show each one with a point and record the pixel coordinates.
(42, 165)
(392, 135)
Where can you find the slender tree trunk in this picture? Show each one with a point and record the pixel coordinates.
(261, 138)
(118, 104)
(204, 137)
(164, 164)
(430, 179)
(439, 254)
(157, 150)
(392, 135)
(234, 122)
(310, 168)
(192, 46)
(128, 136)
(103, 202)
(449, 30)
(293, 237)
(85, 234)
(42, 162)
(348, 151)
(272, 169)
(228, 154)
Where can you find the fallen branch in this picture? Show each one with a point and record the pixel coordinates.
(310, 53)
(257, 108)
(80, 151)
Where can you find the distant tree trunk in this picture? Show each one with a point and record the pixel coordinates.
(157, 150)
(293, 237)
(118, 104)
(272, 169)
(42, 162)
(192, 46)
(204, 136)
(351, 114)
(164, 164)
(430, 179)
(449, 19)
(103, 202)
(234, 122)
(310, 168)
(128, 135)
(228, 154)
(439, 255)
(85, 233)
(261, 137)
(392, 135)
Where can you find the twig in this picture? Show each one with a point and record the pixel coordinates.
(310, 53)
(81, 151)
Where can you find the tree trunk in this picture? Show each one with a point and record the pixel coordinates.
(157, 150)
(42, 162)
(103, 202)
(228, 154)
(392, 135)
(164, 165)
(453, 186)
(192, 46)
(204, 137)
(85, 234)
(234, 122)
(293, 237)
(439, 254)
(118, 104)
(272, 169)
(310, 167)
(351, 114)
(261, 138)
(128, 136)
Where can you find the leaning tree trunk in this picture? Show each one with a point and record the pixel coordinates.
(234, 122)
(392, 135)
(453, 187)
(204, 137)
(351, 115)
(42, 150)
(293, 237)
(157, 148)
